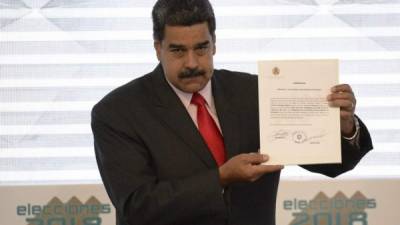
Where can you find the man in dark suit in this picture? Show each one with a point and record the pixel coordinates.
(180, 144)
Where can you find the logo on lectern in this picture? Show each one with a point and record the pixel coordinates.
(73, 212)
(337, 210)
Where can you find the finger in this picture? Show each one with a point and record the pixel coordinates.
(346, 105)
(341, 95)
(255, 158)
(346, 115)
(341, 88)
(262, 169)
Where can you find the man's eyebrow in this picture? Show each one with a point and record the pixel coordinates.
(176, 46)
(203, 44)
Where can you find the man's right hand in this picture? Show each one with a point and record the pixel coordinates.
(245, 168)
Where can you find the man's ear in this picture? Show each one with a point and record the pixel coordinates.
(157, 47)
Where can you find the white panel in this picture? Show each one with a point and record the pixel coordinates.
(46, 106)
(92, 34)
(55, 152)
(237, 33)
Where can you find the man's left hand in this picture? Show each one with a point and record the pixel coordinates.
(342, 96)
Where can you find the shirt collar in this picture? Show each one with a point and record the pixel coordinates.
(185, 97)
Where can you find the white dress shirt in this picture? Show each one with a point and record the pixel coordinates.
(206, 92)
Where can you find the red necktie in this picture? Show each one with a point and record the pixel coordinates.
(209, 130)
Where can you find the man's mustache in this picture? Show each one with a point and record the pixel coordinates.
(189, 73)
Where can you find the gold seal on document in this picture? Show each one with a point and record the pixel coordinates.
(276, 71)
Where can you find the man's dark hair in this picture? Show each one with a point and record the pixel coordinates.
(181, 13)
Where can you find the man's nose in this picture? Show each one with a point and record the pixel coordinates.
(191, 60)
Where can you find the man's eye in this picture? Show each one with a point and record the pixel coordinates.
(201, 50)
(176, 50)
(203, 47)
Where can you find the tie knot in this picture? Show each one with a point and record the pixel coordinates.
(198, 100)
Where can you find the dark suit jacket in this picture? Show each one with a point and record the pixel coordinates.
(157, 169)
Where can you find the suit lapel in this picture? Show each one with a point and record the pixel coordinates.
(227, 115)
(172, 112)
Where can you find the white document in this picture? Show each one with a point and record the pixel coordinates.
(297, 126)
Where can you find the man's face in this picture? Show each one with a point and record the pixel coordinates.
(186, 55)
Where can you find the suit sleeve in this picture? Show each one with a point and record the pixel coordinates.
(130, 179)
(351, 155)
